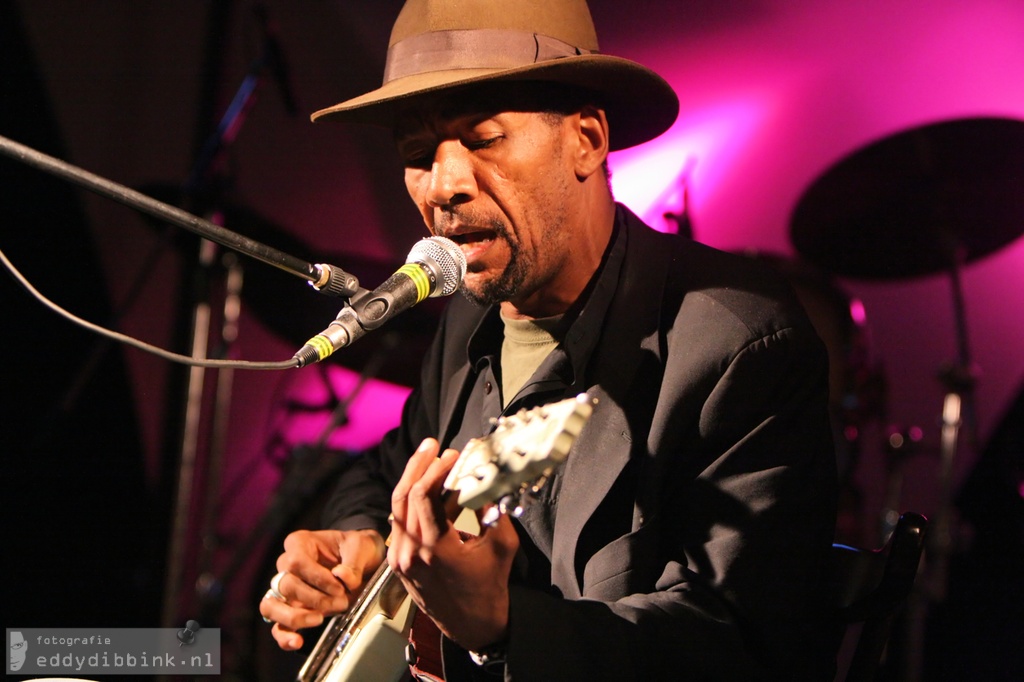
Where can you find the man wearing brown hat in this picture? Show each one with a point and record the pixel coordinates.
(686, 535)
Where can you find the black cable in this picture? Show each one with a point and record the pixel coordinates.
(136, 343)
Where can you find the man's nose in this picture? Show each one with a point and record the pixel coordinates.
(451, 176)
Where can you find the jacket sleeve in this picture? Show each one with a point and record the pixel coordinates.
(362, 497)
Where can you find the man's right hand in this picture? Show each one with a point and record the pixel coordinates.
(324, 572)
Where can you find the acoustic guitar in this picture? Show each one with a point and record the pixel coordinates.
(507, 467)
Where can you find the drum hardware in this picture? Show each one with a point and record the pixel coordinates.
(901, 443)
(926, 200)
(921, 202)
(204, 189)
(682, 219)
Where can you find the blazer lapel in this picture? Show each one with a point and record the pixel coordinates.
(595, 461)
(604, 447)
(456, 376)
(457, 384)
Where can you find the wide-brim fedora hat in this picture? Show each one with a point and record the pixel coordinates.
(442, 45)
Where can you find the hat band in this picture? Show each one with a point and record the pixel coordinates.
(485, 48)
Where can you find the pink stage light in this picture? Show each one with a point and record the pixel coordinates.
(698, 152)
(303, 414)
(857, 312)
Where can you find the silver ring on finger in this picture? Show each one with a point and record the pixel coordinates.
(275, 586)
(269, 594)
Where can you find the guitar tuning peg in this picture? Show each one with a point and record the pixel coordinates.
(510, 504)
(515, 503)
(490, 517)
(502, 506)
(534, 490)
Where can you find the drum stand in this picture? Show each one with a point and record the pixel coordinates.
(199, 180)
(924, 200)
(958, 378)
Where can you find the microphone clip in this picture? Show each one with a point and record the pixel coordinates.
(335, 282)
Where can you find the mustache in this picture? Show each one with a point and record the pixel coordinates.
(455, 217)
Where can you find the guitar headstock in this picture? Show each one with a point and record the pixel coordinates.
(516, 458)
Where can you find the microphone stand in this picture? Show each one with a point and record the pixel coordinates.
(200, 178)
(325, 278)
(328, 279)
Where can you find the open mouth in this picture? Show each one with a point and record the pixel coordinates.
(473, 238)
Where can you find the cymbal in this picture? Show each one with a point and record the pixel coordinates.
(918, 202)
(294, 312)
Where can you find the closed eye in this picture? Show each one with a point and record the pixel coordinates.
(420, 162)
(417, 158)
(475, 145)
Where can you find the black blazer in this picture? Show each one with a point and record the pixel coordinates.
(696, 510)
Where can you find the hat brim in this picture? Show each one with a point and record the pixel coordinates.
(639, 104)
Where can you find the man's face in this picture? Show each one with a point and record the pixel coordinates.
(19, 648)
(502, 186)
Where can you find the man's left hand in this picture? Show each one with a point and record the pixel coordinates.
(461, 584)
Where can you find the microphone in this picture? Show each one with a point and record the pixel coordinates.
(434, 267)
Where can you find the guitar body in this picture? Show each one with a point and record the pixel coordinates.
(375, 653)
(367, 644)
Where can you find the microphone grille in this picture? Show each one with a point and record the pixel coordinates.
(445, 258)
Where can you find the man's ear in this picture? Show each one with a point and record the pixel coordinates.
(592, 132)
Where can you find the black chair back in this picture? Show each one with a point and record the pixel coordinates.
(870, 588)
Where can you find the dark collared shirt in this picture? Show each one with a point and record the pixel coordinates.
(562, 374)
